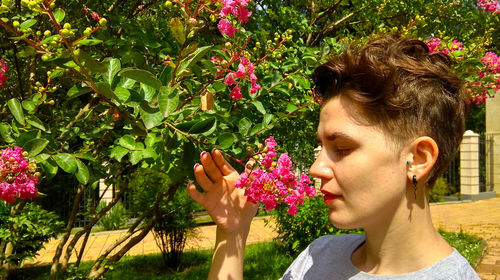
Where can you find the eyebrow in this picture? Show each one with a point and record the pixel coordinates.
(335, 135)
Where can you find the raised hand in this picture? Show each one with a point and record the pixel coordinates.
(226, 205)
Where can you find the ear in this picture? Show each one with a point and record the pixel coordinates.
(423, 154)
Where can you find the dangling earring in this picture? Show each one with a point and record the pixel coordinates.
(414, 180)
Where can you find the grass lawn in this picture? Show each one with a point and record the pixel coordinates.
(262, 261)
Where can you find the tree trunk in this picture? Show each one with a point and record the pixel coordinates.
(98, 269)
(55, 261)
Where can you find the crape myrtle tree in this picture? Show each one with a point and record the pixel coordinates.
(100, 89)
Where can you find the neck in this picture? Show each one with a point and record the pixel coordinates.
(405, 243)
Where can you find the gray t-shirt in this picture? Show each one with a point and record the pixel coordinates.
(329, 257)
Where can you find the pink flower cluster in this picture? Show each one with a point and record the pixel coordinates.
(18, 178)
(489, 6)
(479, 90)
(236, 8)
(434, 45)
(245, 72)
(492, 62)
(3, 70)
(273, 183)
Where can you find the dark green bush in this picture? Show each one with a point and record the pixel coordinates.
(175, 217)
(33, 227)
(310, 223)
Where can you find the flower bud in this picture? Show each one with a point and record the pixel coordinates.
(103, 21)
(15, 24)
(228, 45)
(260, 146)
(67, 26)
(256, 157)
(168, 4)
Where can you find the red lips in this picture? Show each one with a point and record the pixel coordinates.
(329, 197)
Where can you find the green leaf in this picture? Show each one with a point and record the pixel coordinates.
(166, 75)
(151, 116)
(28, 105)
(36, 122)
(193, 58)
(6, 133)
(16, 109)
(105, 90)
(35, 146)
(88, 42)
(168, 100)
(225, 140)
(113, 69)
(118, 153)
(128, 141)
(177, 29)
(66, 161)
(41, 158)
(290, 108)
(27, 24)
(82, 175)
(74, 91)
(91, 63)
(203, 126)
(142, 76)
(59, 15)
(49, 168)
(244, 126)
(259, 106)
(135, 157)
(122, 93)
(187, 125)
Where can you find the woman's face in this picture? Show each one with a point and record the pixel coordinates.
(363, 177)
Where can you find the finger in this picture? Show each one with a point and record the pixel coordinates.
(201, 177)
(213, 172)
(195, 194)
(249, 166)
(221, 162)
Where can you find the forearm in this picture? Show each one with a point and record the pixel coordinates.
(227, 261)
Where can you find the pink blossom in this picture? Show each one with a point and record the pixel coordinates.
(236, 8)
(489, 6)
(229, 79)
(95, 16)
(274, 184)
(271, 143)
(492, 62)
(3, 76)
(456, 45)
(433, 43)
(225, 27)
(241, 71)
(18, 178)
(236, 93)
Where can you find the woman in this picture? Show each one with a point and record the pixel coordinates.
(392, 119)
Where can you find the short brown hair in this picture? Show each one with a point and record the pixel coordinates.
(403, 89)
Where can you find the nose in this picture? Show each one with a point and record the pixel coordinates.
(321, 168)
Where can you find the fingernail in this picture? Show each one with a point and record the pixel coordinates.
(213, 150)
(202, 153)
(196, 165)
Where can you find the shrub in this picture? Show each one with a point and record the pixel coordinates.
(33, 227)
(439, 190)
(172, 227)
(310, 223)
(115, 218)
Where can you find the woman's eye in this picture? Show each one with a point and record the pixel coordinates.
(343, 151)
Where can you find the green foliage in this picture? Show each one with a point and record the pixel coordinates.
(172, 227)
(295, 233)
(469, 246)
(439, 190)
(115, 218)
(27, 232)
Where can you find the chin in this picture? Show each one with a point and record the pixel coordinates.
(341, 221)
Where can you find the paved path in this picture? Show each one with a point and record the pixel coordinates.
(480, 218)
